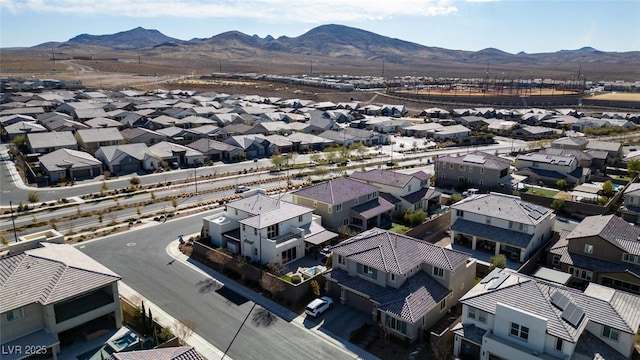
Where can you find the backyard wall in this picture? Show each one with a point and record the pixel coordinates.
(432, 229)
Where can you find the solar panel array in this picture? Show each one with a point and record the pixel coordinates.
(560, 300)
(476, 159)
(573, 314)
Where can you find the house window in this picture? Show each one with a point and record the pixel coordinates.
(236, 211)
(470, 169)
(469, 181)
(477, 314)
(289, 254)
(488, 221)
(255, 251)
(580, 273)
(342, 260)
(345, 221)
(243, 227)
(357, 201)
(255, 231)
(273, 231)
(461, 179)
(631, 200)
(482, 171)
(459, 213)
(299, 218)
(396, 324)
(315, 204)
(409, 188)
(555, 261)
(520, 331)
(443, 176)
(15, 315)
(443, 304)
(451, 166)
(392, 277)
(481, 182)
(338, 207)
(368, 271)
(559, 344)
(356, 221)
(439, 272)
(630, 258)
(610, 333)
(588, 248)
(461, 168)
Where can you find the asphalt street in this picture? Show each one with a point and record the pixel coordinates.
(140, 258)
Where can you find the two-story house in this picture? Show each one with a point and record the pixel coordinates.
(549, 168)
(630, 210)
(406, 284)
(346, 202)
(49, 290)
(604, 249)
(266, 229)
(407, 191)
(477, 170)
(513, 316)
(501, 224)
(570, 143)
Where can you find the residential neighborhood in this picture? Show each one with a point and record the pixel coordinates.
(449, 232)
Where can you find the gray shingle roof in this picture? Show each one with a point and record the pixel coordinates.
(504, 207)
(373, 208)
(65, 158)
(619, 310)
(477, 158)
(51, 139)
(336, 191)
(100, 134)
(395, 253)
(49, 274)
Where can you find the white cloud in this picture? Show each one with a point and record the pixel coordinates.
(285, 11)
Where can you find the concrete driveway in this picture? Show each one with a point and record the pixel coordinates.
(339, 321)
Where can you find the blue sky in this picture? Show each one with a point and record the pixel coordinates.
(531, 26)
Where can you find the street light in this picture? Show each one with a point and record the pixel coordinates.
(15, 235)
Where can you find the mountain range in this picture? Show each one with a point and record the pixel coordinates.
(338, 42)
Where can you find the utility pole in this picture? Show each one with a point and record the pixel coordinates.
(15, 235)
(195, 178)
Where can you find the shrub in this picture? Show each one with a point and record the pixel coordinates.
(499, 261)
(296, 279)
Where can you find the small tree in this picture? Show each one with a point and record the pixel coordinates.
(455, 198)
(183, 330)
(272, 284)
(633, 167)
(134, 181)
(315, 288)
(278, 160)
(101, 216)
(241, 264)
(557, 204)
(153, 195)
(329, 262)
(4, 239)
(103, 188)
(174, 202)
(138, 211)
(607, 188)
(33, 197)
(219, 257)
(498, 261)
(561, 184)
(315, 157)
(53, 224)
(277, 268)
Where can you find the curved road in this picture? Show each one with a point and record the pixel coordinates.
(141, 259)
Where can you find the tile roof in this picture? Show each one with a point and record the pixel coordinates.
(395, 253)
(373, 208)
(618, 310)
(385, 177)
(135, 150)
(99, 134)
(284, 211)
(477, 158)
(505, 207)
(49, 274)
(171, 353)
(421, 194)
(485, 231)
(336, 191)
(415, 298)
(612, 229)
(633, 189)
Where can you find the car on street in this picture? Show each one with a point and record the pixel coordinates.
(241, 189)
(318, 306)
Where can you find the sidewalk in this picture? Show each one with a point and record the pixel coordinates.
(207, 350)
(351, 350)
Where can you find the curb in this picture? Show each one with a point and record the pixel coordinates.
(351, 350)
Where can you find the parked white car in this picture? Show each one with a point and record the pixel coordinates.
(318, 306)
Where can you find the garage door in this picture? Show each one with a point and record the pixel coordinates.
(130, 168)
(81, 174)
(359, 302)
